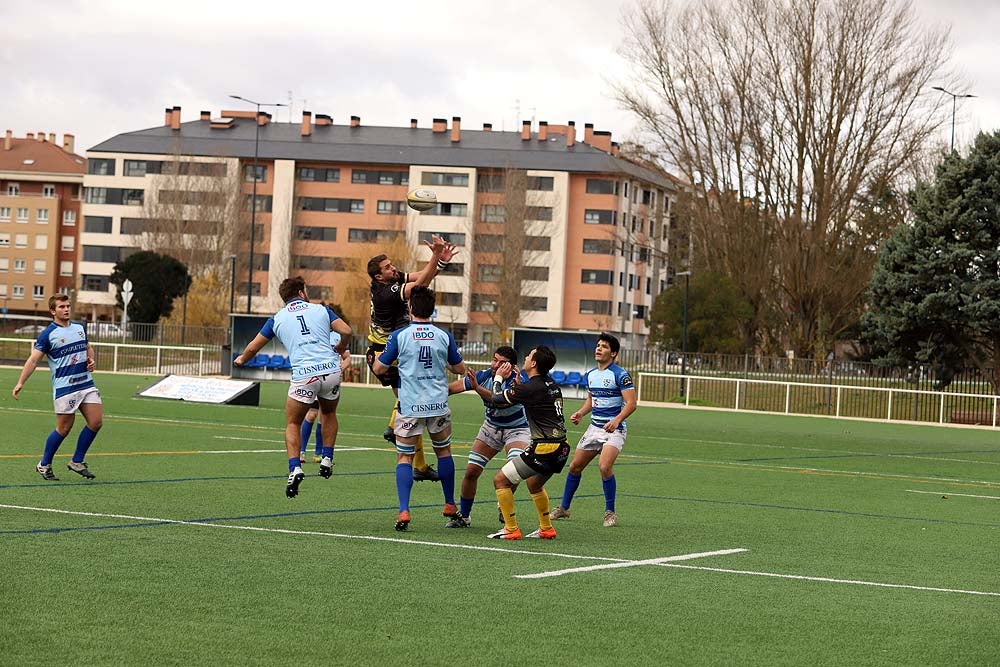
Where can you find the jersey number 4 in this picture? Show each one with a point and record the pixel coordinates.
(425, 356)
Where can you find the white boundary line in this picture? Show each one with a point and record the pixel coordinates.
(471, 547)
(949, 493)
(634, 563)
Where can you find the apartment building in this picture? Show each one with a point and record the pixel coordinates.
(41, 183)
(596, 225)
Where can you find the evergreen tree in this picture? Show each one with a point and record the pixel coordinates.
(156, 281)
(935, 293)
(716, 309)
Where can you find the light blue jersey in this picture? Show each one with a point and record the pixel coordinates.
(334, 342)
(304, 329)
(423, 352)
(511, 416)
(66, 349)
(606, 393)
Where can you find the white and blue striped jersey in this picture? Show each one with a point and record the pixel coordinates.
(66, 349)
(423, 352)
(606, 392)
(511, 416)
(304, 329)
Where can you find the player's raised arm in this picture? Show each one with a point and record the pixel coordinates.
(442, 253)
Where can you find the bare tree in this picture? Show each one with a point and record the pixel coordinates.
(512, 230)
(786, 118)
(195, 211)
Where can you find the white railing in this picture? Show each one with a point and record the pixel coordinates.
(132, 358)
(876, 403)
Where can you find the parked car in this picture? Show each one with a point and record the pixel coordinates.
(30, 329)
(105, 330)
(472, 349)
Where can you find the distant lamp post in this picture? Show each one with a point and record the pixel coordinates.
(232, 283)
(253, 199)
(684, 330)
(954, 101)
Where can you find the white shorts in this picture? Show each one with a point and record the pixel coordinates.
(596, 437)
(499, 438)
(311, 389)
(69, 403)
(407, 427)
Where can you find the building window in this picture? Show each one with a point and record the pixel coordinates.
(374, 176)
(445, 178)
(131, 226)
(65, 268)
(599, 217)
(596, 277)
(453, 269)
(491, 212)
(38, 292)
(13, 189)
(264, 203)
(317, 263)
(601, 186)
(534, 303)
(22, 215)
(102, 253)
(4, 213)
(3, 289)
(332, 205)
(484, 303)
(43, 216)
(489, 273)
(142, 167)
(316, 233)
(100, 166)
(48, 191)
(41, 242)
(321, 175)
(94, 283)
(449, 298)
(96, 196)
(173, 168)
(248, 171)
(20, 240)
(594, 307)
(4, 240)
(4, 264)
(357, 206)
(538, 213)
(537, 243)
(69, 218)
(450, 237)
(449, 209)
(647, 197)
(18, 292)
(132, 197)
(97, 224)
(535, 273)
(598, 247)
(372, 236)
(489, 242)
(20, 265)
(68, 243)
(386, 207)
(39, 265)
(541, 183)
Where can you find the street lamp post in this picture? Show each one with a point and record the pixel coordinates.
(253, 199)
(684, 330)
(954, 100)
(232, 283)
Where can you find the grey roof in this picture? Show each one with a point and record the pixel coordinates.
(378, 146)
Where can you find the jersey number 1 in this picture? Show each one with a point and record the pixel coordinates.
(302, 323)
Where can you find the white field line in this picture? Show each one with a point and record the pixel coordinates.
(949, 493)
(373, 538)
(634, 563)
(829, 580)
(337, 450)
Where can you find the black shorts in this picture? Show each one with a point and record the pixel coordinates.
(548, 462)
(391, 377)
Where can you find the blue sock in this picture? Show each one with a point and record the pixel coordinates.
(319, 440)
(572, 484)
(83, 443)
(51, 445)
(404, 484)
(610, 488)
(465, 505)
(326, 451)
(446, 471)
(307, 429)
(293, 463)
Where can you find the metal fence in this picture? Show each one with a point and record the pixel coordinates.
(131, 358)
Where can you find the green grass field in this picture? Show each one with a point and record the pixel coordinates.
(865, 544)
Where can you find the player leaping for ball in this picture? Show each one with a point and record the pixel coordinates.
(390, 291)
(304, 329)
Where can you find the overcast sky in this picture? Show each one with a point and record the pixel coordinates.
(96, 68)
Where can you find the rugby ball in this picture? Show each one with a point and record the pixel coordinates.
(421, 199)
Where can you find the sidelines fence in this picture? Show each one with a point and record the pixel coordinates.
(129, 358)
(804, 398)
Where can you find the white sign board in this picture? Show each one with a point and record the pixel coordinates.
(197, 389)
